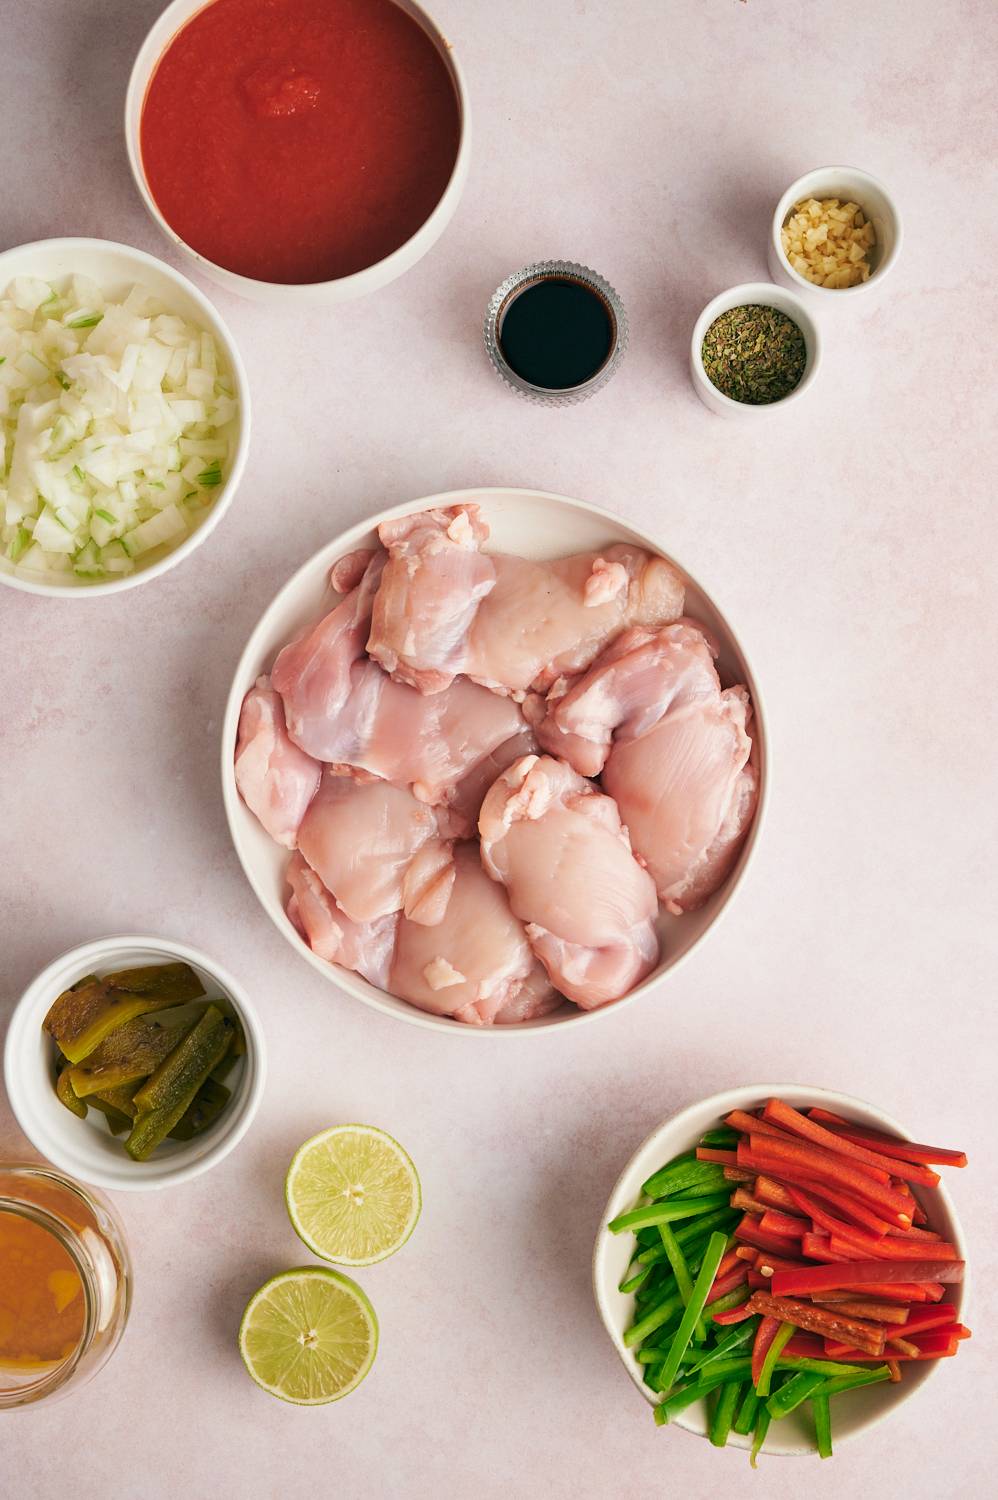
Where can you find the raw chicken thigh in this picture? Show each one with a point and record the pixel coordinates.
(344, 710)
(276, 779)
(557, 845)
(476, 965)
(378, 850)
(330, 933)
(674, 750)
(443, 607)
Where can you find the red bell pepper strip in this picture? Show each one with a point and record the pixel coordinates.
(785, 1116)
(733, 1315)
(748, 1231)
(775, 1222)
(764, 1336)
(739, 1120)
(876, 1312)
(722, 1285)
(757, 1282)
(774, 1194)
(767, 1263)
(826, 1117)
(819, 1247)
(725, 1158)
(899, 1293)
(946, 1347)
(729, 1260)
(890, 1248)
(806, 1346)
(820, 1208)
(868, 1336)
(890, 1145)
(915, 1233)
(819, 1163)
(922, 1319)
(742, 1198)
(777, 1195)
(918, 1215)
(796, 1160)
(819, 1215)
(861, 1273)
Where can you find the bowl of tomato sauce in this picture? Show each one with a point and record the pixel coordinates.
(298, 150)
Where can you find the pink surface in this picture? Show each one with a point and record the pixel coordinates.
(852, 541)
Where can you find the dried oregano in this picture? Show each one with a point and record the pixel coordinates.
(754, 354)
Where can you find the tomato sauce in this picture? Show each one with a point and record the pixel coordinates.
(299, 140)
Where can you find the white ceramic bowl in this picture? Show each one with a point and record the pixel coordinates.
(86, 1148)
(345, 288)
(532, 524)
(876, 202)
(115, 268)
(853, 1412)
(762, 294)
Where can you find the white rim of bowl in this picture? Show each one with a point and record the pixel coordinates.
(760, 293)
(235, 808)
(741, 1097)
(233, 478)
(790, 197)
(400, 259)
(100, 949)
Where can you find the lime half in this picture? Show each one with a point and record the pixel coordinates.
(308, 1336)
(353, 1195)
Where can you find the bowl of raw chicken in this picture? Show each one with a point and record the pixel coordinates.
(493, 762)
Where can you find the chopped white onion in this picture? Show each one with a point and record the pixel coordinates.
(116, 428)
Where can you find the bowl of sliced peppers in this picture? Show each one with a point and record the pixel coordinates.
(780, 1267)
(134, 1062)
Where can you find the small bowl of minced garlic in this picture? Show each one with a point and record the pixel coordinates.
(835, 230)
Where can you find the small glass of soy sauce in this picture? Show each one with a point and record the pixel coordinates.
(555, 332)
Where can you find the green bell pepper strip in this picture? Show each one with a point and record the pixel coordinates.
(792, 1393)
(632, 1283)
(695, 1306)
(783, 1334)
(681, 1271)
(731, 1299)
(741, 1333)
(745, 1420)
(724, 1372)
(827, 1367)
(724, 1414)
(720, 1218)
(821, 1412)
(839, 1383)
(720, 1138)
(708, 1185)
(652, 1188)
(663, 1213)
(762, 1422)
(639, 1331)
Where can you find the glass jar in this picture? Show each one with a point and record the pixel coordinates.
(65, 1284)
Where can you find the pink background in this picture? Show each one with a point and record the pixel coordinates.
(852, 542)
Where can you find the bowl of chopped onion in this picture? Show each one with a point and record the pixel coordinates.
(124, 417)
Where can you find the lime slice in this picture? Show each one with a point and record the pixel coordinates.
(352, 1194)
(308, 1336)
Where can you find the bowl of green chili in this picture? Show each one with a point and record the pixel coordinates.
(754, 347)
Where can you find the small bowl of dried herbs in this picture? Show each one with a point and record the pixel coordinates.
(753, 347)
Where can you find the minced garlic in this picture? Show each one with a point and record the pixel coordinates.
(827, 241)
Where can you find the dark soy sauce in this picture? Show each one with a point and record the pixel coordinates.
(556, 333)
